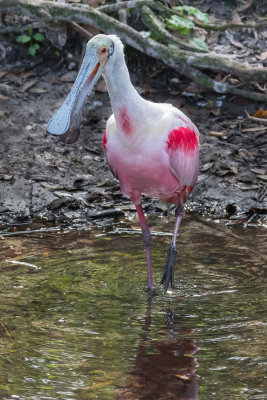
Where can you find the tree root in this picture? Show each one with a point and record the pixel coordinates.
(185, 62)
(156, 27)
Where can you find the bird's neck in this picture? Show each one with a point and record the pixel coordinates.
(127, 105)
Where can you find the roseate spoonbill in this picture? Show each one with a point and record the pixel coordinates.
(150, 148)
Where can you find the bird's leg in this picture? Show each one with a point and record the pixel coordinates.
(147, 243)
(168, 275)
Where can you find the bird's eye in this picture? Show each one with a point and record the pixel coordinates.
(104, 50)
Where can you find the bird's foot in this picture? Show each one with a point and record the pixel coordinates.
(168, 275)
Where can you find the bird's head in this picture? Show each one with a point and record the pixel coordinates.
(98, 54)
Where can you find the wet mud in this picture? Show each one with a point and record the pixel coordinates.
(43, 180)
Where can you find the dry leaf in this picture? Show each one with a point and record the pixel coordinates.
(244, 7)
(263, 56)
(2, 97)
(206, 166)
(28, 84)
(260, 113)
(25, 75)
(38, 90)
(257, 128)
(218, 134)
(237, 44)
(215, 111)
(244, 153)
(69, 76)
(2, 73)
(244, 186)
(193, 88)
(263, 177)
(2, 113)
(258, 171)
(178, 102)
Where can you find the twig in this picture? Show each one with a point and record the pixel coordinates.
(255, 118)
(114, 7)
(230, 25)
(5, 329)
(83, 32)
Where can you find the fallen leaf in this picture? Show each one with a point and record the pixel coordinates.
(237, 44)
(206, 166)
(258, 171)
(25, 75)
(5, 89)
(218, 134)
(178, 102)
(28, 84)
(38, 90)
(257, 128)
(263, 56)
(69, 76)
(260, 113)
(2, 73)
(233, 169)
(244, 6)
(244, 153)
(215, 111)
(263, 177)
(6, 177)
(2, 113)
(193, 88)
(244, 186)
(2, 97)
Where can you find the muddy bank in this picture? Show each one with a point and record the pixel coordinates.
(42, 179)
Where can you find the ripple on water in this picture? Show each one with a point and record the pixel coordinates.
(79, 325)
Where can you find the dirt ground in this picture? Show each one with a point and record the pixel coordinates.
(43, 180)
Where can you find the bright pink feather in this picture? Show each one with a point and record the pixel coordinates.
(104, 140)
(182, 139)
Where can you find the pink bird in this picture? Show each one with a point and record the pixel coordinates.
(150, 148)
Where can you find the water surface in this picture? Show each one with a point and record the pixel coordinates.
(76, 321)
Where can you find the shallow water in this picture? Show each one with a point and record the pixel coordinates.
(76, 322)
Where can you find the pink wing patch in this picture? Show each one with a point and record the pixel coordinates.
(105, 139)
(182, 139)
(182, 147)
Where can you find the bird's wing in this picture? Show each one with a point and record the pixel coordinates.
(182, 145)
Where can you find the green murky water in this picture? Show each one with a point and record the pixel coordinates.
(76, 322)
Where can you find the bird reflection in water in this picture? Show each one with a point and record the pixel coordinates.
(164, 369)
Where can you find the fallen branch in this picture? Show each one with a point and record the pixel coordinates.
(155, 25)
(114, 7)
(182, 61)
(230, 25)
(83, 32)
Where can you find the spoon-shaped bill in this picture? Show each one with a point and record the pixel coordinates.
(66, 121)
